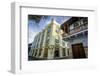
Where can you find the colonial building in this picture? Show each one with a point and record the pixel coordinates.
(48, 44)
(76, 34)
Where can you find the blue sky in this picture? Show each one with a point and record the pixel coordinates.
(35, 27)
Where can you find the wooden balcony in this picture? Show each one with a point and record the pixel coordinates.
(78, 29)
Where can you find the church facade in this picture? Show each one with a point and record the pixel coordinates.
(49, 43)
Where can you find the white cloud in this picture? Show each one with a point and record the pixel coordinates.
(31, 36)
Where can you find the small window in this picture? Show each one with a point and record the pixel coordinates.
(56, 53)
(36, 52)
(47, 41)
(57, 30)
(68, 52)
(49, 30)
(71, 27)
(64, 53)
(40, 51)
(45, 52)
(76, 25)
(85, 21)
(33, 52)
(63, 43)
(56, 40)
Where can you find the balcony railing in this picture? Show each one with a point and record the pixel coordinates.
(78, 29)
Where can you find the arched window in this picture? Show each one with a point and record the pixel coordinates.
(63, 52)
(56, 53)
(45, 52)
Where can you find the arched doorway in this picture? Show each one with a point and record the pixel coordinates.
(45, 52)
(56, 53)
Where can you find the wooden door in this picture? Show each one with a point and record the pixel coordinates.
(78, 51)
(56, 53)
(45, 53)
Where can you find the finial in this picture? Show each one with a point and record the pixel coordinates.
(54, 21)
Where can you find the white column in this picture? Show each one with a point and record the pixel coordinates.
(51, 53)
(44, 39)
(35, 45)
(34, 53)
(66, 51)
(40, 39)
(60, 48)
(42, 53)
(60, 51)
(38, 46)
